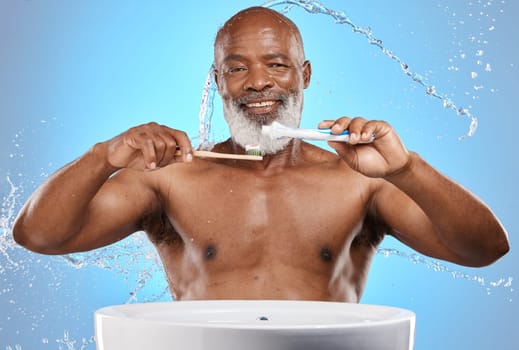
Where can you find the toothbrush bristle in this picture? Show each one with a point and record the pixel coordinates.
(253, 150)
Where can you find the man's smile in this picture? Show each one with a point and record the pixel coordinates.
(261, 106)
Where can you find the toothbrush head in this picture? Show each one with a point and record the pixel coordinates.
(253, 150)
(272, 130)
(267, 131)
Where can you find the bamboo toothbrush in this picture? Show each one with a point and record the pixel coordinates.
(209, 154)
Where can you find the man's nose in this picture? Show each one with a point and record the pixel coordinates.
(258, 79)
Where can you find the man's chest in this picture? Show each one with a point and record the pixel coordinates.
(253, 216)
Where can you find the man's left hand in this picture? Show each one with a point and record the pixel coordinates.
(374, 149)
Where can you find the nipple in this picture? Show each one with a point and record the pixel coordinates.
(210, 252)
(326, 254)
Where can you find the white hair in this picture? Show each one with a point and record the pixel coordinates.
(246, 130)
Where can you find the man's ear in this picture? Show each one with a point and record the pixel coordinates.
(215, 76)
(307, 73)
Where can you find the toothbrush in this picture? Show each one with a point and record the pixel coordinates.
(277, 131)
(209, 154)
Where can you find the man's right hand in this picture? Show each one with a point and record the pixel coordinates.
(147, 147)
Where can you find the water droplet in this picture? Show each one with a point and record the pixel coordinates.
(430, 90)
(461, 111)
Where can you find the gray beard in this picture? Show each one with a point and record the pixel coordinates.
(246, 131)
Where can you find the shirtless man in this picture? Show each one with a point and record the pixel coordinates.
(303, 223)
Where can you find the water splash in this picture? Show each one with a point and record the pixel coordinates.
(315, 7)
(64, 343)
(24, 275)
(70, 344)
(206, 110)
(16, 347)
(134, 259)
(7, 213)
(504, 283)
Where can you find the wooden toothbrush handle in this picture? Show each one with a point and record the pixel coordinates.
(209, 154)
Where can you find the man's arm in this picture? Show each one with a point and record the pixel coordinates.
(439, 218)
(425, 209)
(84, 206)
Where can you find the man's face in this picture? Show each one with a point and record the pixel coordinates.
(261, 74)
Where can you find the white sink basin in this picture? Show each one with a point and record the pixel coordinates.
(253, 324)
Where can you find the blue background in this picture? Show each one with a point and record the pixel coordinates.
(73, 73)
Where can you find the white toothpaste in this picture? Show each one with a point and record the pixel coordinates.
(277, 131)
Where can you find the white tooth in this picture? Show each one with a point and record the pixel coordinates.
(260, 104)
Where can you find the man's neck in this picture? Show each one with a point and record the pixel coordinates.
(288, 157)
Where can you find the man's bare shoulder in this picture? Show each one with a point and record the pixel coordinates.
(318, 157)
(315, 154)
(155, 177)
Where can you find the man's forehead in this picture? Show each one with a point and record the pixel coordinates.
(257, 21)
(255, 34)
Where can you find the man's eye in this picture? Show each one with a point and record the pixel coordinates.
(236, 69)
(278, 65)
